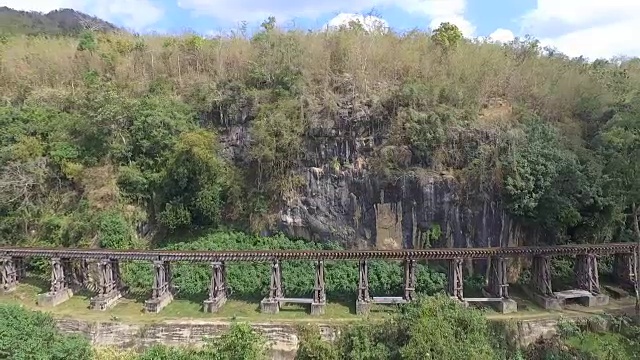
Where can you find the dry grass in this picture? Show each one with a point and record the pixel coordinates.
(372, 64)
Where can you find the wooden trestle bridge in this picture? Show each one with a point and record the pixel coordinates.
(70, 270)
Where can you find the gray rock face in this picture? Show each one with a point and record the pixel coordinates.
(345, 201)
(358, 209)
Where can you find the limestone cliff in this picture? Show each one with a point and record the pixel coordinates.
(360, 210)
(344, 199)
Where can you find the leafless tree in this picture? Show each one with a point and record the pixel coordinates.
(22, 183)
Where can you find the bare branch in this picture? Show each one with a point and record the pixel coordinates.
(23, 182)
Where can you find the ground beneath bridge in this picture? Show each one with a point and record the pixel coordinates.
(129, 310)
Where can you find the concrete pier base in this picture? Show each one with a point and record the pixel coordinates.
(54, 299)
(318, 308)
(363, 307)
(268, 306)
(105, 302)
(583, 297)
(8, 288)
(594, 300)
(155, 305)
(505, 306)
(547, 302)
(213, 305)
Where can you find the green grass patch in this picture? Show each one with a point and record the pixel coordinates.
(605, 346)
(131, 309)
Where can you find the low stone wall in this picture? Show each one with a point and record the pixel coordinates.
(282, 336)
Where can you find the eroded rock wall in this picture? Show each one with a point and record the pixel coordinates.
(357, 208)
(282, 337)
(345, 200)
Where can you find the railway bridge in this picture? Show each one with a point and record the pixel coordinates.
(69, 272)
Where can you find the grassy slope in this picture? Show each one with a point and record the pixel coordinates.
(331, 65)
(130, 310)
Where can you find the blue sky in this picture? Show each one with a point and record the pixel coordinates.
(593, 28)
(486, 15)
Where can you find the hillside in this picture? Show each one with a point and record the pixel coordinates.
(386, 140)
(58, 22)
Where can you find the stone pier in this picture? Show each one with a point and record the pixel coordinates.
(161, 294)
(110, 286)
(60, 290)
(271, 304)
(8, 274)
(217, 288)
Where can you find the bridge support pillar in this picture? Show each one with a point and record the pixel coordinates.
(60, 290)
(498, 286)
(409, 280)
(540, 289)
(161, 294)
(271, 304)
(586, 269)
(319, 292)
(110, 285)
(455, 282)
(21, 270)
(9, 274)
(217, 288)
(624, 265)
(363, 303)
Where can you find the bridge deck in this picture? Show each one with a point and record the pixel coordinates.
(270, 255)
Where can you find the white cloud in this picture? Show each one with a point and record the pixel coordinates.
(369, 23)
(593, 28)
(135, 14)
(502, 35)
(436, 11)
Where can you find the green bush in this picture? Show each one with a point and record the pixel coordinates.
(28, 335)
(431, 328)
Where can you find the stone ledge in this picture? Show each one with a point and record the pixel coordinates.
(268, 306)
(53, 299)
(318, 308)
(155, 305)
(105, 302)
(213, 305)
(7, 289)
(363, 307)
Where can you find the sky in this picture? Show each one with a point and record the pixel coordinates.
(591, 28)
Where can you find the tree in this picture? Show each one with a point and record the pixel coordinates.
(621, 147)
(439, 328)
(447, 35)
(195, 182)
(430, 328)
(313, 347)
(241, 342)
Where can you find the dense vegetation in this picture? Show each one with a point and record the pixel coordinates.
(432, 328)
(27, 335)
(120, 141)
(106, 137)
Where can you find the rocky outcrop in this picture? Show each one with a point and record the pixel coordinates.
(345, 201)
(359, 209)
(282, 338)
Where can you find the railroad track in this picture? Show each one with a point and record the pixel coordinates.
(271, 255)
